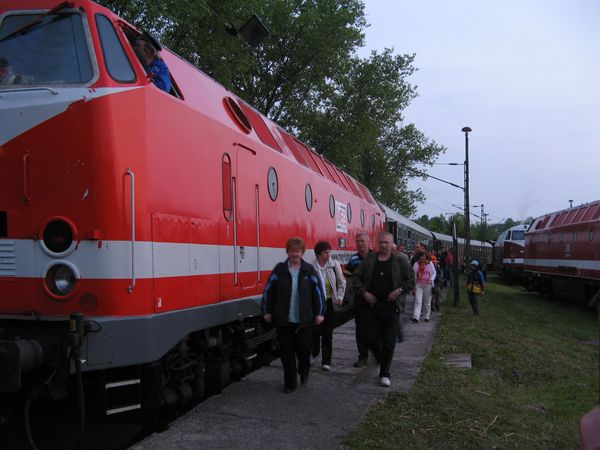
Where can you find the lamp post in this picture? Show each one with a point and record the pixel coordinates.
(467, 257)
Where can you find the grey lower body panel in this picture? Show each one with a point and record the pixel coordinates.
(126, 341)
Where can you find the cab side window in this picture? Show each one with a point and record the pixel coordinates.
(115, 59)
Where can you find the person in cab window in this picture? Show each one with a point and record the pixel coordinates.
(153, 64)
(7, 74)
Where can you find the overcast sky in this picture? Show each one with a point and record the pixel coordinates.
(524, 75)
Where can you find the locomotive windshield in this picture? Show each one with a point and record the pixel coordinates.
(518, 235)
(44, 49)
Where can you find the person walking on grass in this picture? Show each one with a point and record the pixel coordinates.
(475, 286)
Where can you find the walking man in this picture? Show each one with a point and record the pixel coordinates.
(363, 311)
(381, 281)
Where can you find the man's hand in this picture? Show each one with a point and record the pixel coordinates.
(319, 320)
(393, 296)
(267, 318)
(369, 298)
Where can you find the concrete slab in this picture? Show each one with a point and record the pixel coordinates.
(254, 413)
(459, 360)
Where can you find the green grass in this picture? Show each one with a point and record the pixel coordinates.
(533, 376)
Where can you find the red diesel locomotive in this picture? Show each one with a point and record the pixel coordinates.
(562, 252)
(137, 227)
(510, 252)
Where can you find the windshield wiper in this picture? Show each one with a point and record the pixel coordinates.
(30, 25)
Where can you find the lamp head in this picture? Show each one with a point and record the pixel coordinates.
(466, 130)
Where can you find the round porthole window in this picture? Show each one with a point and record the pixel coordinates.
(273, 183)
(308, 197)
(362, 217)
(331, 206)
(349, 212)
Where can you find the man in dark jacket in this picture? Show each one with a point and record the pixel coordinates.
(382, 281)
(363, 316)
(294, 301)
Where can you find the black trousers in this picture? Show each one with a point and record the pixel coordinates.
(323, 337)
(294, 344)
(386, 332)
(367, 337)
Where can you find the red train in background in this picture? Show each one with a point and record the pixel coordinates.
(137, 227)
(509, 252)
(562, 252)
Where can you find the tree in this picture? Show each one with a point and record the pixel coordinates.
(307, 77)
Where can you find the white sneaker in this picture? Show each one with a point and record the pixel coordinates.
(325, 367)
(385, 381)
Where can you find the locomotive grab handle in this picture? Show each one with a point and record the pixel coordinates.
(26, 178)
(132, 175)
(41, 88)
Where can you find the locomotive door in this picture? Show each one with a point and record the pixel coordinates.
(246, 226)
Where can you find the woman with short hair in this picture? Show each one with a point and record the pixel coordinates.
(294, 302)
(334, 287)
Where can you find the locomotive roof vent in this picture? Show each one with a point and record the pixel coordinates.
(237, 114)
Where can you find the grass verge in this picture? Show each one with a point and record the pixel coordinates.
(535, 373)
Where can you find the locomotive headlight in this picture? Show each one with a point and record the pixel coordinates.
(58, 236)
(61, 279)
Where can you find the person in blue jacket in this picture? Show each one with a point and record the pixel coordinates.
(475, 286)
(155, 67)
(294, 302)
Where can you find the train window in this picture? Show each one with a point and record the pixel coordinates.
(308, 197)
(561, 237)
(349, 212)
(373, 221)
(273, 183)
(227, 191)
(518, 235)
(549, 238)
(362, 217)
(331, 206)
(574, 236)
(55, 51)
(260, 127)
(115, 59)
(591, 235)
(237, 114)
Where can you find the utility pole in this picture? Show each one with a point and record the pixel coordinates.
(467, 256)
(485, 226)
(482, 223)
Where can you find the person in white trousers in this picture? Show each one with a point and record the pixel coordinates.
(425, 277)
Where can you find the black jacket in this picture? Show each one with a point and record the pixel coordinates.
(278, 293)
(403, 276)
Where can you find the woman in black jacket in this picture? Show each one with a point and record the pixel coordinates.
(294, 301)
